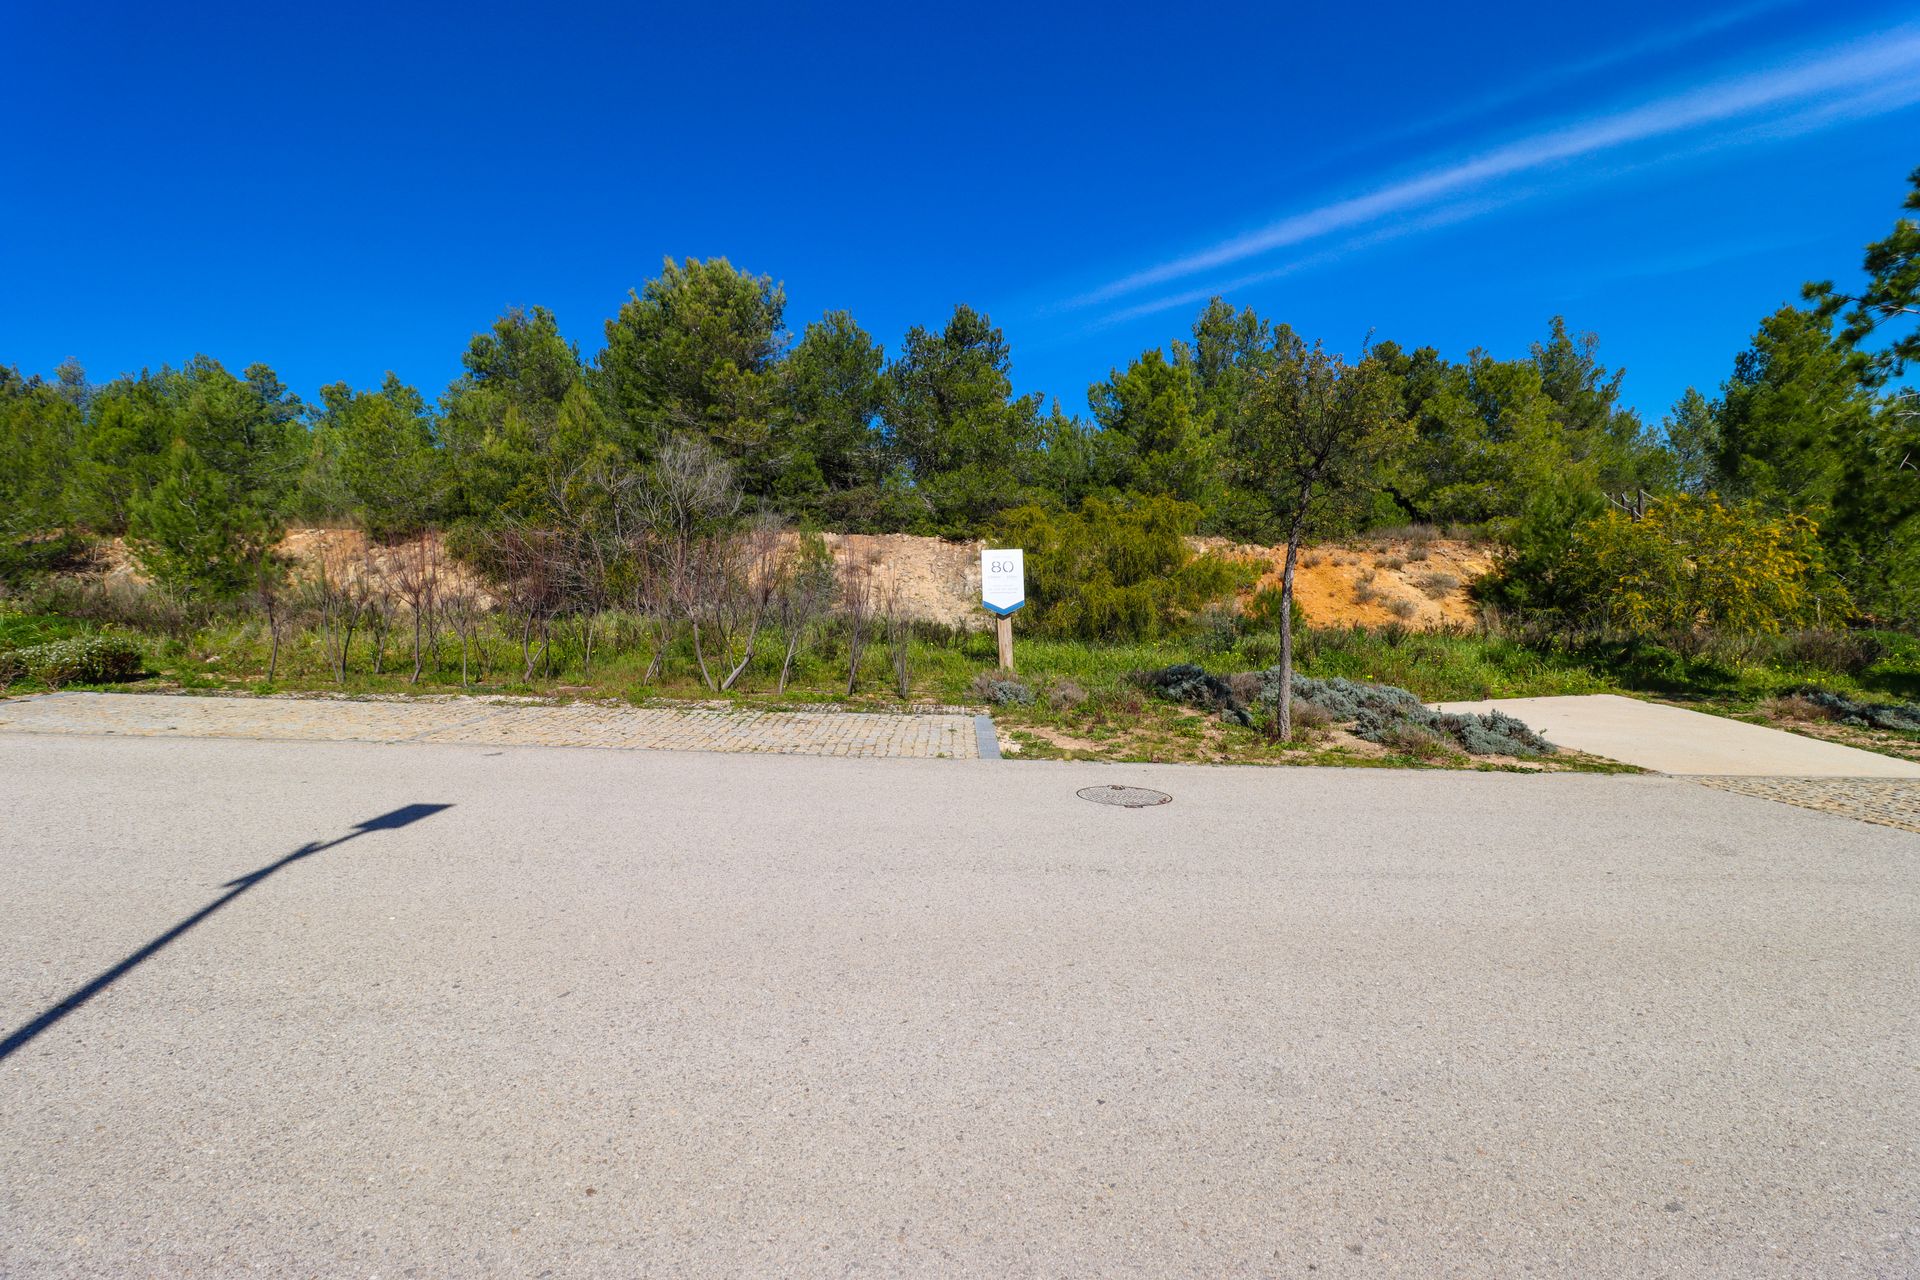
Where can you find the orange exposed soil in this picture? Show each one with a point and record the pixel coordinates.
(1358, 584)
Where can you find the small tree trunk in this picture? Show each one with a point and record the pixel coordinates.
(416, 647)
(1285, 725)
(699, 655)
(273, 651)
(346, 643)
(753, 638)
(662, 637)
(786, 664)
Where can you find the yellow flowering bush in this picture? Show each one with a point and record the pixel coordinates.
(1692, 564)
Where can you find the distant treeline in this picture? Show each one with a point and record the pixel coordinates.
(200, 467)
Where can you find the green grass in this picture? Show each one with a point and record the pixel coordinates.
(231, 655)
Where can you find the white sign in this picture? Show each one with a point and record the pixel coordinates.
(1003, 580)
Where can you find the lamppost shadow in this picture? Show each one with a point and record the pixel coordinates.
(23, 1035)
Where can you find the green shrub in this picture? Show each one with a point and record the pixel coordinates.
(81, 660)
(26, 560)
(1191, 686)
(1116, 571)
(1903, 717)
(1263, 611)
(1492, 734)
(1848, 653)
(1381, 713)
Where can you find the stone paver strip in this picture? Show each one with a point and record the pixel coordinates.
(1888, 802)
(470, 720)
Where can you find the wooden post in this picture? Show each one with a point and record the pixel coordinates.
(1003, 628)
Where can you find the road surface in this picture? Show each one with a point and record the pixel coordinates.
(294, 1009)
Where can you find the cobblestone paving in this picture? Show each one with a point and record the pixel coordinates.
(473, 720)
(1890, 802)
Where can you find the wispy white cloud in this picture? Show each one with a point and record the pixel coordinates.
(1445, 215)
(1844, 83)
(1524, 87)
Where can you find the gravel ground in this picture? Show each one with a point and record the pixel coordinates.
(658, 1013)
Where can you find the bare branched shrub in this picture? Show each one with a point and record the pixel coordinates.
(806, 588)
(464, 611)
(337, 601)
(745, 595)
(416, 578)
(1401, 607)
(380, 606)
(672, 513)
(1364, 590)
(1437, 585)
(856, 611)
(898, 628)
(270, 595)
(532, 567)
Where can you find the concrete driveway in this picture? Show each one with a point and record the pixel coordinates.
(1668, 739)
(652, 1013)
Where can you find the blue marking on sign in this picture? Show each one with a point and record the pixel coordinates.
(1007, 612)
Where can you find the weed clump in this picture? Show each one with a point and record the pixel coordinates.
(1795, 706)
(81, 660)
(1065, 695)
(1001, 692)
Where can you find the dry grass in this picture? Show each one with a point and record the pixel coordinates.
(1794, 707)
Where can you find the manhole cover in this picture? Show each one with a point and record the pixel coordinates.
(1125, 797)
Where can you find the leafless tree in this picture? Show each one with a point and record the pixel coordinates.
(532, 566)
(856, 610)
(806, 587)
(687, 496)
(339, 604)
(463, 609)
(378, 593)
(270, 596)
(746, 591)
(898, 628)
(416, 578)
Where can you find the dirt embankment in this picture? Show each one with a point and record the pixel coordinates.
(1415, 582)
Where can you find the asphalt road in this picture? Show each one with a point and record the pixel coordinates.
(626, 1013)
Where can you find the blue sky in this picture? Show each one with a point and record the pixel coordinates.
(341, 190)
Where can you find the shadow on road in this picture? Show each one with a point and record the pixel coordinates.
(24, 1035)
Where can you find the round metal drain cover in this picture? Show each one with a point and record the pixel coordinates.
(1125, 797)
